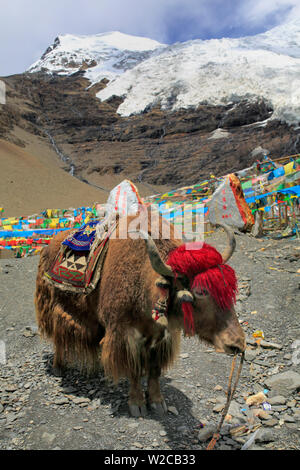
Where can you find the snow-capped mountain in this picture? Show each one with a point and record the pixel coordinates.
(105, 55)
(218, 71)
(184, 75)
(200, 87)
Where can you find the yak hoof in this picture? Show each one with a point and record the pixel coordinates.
(138, 411)
(160, 408)
(58, 371)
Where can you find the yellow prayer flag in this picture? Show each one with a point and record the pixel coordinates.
(289, 168)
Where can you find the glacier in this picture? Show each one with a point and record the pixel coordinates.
(146, 73)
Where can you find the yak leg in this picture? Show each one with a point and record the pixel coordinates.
(156, 400)
(136, 403)
(156, 334)
(121, 357)
(58, 365)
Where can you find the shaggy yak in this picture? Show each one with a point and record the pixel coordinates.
(148, 293)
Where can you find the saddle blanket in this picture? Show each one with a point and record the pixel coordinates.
(78, 265)
(82, 239)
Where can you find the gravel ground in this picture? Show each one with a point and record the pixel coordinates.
(40, 411)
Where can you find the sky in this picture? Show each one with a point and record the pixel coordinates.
(28, 27)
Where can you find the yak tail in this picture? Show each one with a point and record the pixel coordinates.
(74, 343)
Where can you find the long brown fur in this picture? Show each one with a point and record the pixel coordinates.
(112, 326)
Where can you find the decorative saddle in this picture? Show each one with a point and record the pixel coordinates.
(78, 265)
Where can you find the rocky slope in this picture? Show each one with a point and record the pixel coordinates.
(163, 149)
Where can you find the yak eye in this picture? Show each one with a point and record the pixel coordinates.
(200, 294)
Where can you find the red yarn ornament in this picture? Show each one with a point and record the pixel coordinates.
(203, 265)
(188, 318)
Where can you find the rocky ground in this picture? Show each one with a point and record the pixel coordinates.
(40, 411)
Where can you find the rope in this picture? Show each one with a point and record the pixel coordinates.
(230, 393)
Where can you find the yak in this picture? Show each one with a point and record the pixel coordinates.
(149, 293)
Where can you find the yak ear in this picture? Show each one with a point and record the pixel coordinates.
(185, 296)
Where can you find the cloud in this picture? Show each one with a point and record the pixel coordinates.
(258, 11)
(28, 27)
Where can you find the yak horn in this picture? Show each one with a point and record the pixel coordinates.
(157, 263)
(228, 252)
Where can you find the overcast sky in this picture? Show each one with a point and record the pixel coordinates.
(28, 27)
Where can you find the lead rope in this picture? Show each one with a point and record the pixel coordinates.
(230, 394)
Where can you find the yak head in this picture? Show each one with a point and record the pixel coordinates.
(202, 290)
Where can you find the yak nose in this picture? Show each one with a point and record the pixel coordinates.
(232, 350)
(236, 348)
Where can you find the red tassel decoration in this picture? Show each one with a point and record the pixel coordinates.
(220, 282)
(188, 318)
(203, 265)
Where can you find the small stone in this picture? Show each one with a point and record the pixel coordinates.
(265, 435)
(80, 401)
(218, 388)
(269, 345)
(219, 408)
(261, 414)
(11, 388)
(284, 383)
(288, 419)
(69, 389)
(184, 355)
(212, 400)
(292, 426)
(251, 354)
(48, 438)
(279, 408)
(138, 445)
(271, 422)
(206, 433)
(291, 403)
(277, 400)
(61, 401)
(33, 329)
(28, 334)
(173, 410)
(133, 425)
(10, 418)
(162, 433)
(155, 444)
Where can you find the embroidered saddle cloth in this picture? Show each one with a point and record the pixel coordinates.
(78, 265)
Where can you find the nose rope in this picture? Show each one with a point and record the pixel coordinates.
(230, 393)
